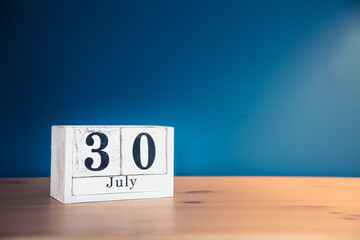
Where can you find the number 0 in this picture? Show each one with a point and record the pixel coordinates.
(151, 151)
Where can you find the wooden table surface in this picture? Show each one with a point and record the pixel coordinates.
(202, 208)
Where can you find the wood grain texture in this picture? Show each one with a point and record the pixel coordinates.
(202, 208)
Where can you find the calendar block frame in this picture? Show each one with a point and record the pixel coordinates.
(62, 180)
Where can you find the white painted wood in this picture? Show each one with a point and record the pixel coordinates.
(81, 151)
(72, 181)
(128, 137)
(57, 180)
(69, 136)
(170, 158)
(120, 184)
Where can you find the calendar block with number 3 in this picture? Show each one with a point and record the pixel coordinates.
(104, 163)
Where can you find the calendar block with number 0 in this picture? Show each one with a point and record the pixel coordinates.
(104, 163)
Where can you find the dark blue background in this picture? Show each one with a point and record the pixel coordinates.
(251, 87)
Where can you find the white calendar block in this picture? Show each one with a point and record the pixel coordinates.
(119, 184)
(91, 146)
(143, 151)
(103, 163)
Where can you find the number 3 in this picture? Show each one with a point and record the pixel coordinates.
(104, 156)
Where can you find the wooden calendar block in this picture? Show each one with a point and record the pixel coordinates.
(96, 152)
(141, 146)
(102, 163)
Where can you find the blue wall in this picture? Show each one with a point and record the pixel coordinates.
(251, 87)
